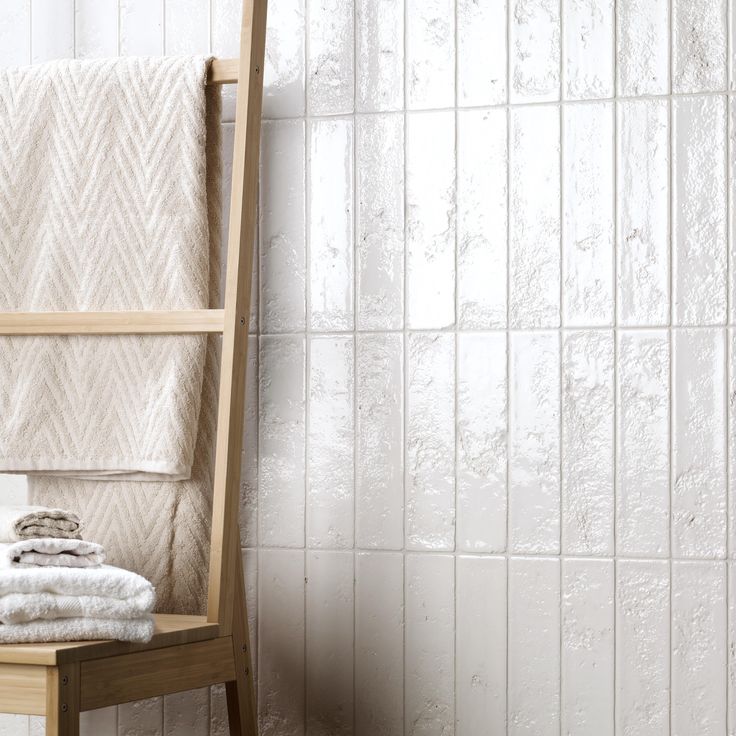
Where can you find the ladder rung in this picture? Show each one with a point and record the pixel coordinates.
(223, 71)
(112, 323)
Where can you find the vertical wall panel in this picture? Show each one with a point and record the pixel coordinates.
(379, 644)
(379, 497)
(699, 444)
(482, 219)
(481, 52)
(281, 703)
(329, 643)
(588, 43)
(96, 28)
(430, 54)
(430, 442)
(731, 450)
(226, 21)
(732, 198)
(587, 647)
(187, 27)
(587, 443)
(587, 227)
(699, 648)
(145, 716)
(643, 55)
(15, 725)
(430, 646)
(52, 30)
(534, 443)
(186, 713)
(642, 200)
(534, 647)
(379, 51)
(282, 229)
(15, 33)
(330, 56)
(534, 53)
(330, 443)
(101, 722)
(643, 442)
(249, 456)
(141, 27)
(285, 67)
(481, 646)
(281, 441)
(331, 224)
(534, 224)
(430, 220)
(699, 210)
(481, 442)
(380, 222)
(642, 648)
(699, 45)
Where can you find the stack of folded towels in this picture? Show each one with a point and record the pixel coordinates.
(55, 587)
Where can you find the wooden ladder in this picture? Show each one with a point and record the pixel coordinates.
(60, 680)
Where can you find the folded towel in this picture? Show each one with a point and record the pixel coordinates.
(30, 522)
(103, 206)
(78, 629)
(48, 552)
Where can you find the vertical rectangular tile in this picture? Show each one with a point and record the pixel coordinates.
(430, 54)
(587, 226)
(330, 56)
(534, 53)
(731, 666)
(52, 30)
(642, 648)
(250, 561)
(331, 224)
(330, 442)
(731, 417)
(380, 55)
(249, 456)
(481, 646)
(187, 27)
(482, 415)
(144, 717)
(281, 704)
(430, 645)
(379, 644)
(642, 198)
(281, 441)
(141, 27)
(534, 647)
(643, 53)
(380, 222)
(643, 442)
(699, 444)
(534, 224)
(101, 722)
(15, 33)
(481, 53)
(225, 32)
(285, 66)
(282, 227)
(534, 443)
(699, 646)
(587, 443)
(186, 713)
(482, 218)
(430, 442)
(588, 647)
(16, 725)
(588, 66)
(330, 636)
(732, 203)
(430, 220)
(699, 205)
(219, 725)
(96, 28)
(379, 497)
(699, 45)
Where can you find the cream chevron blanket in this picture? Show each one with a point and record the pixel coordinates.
(103, 206)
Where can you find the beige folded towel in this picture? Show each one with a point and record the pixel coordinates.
(46, 552)
(31, 522)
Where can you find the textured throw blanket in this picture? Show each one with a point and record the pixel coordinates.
(111, 182)
(31, 522)
(50, 552)
(103, 206)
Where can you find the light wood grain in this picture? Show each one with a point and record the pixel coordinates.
(22, 689)
(223, 71)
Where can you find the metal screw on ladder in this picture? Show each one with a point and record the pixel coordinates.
(65, 680)
(64, 707)
(258, 70)
(242, 320)
(247, 672)
(244, 649)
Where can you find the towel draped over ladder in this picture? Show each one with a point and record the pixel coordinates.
(110, 200)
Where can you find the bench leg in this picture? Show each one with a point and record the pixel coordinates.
(62, 700)
(241, 706)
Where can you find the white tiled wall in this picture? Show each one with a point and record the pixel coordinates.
(492, 406)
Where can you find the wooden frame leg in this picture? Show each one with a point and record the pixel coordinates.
(241, 703)
(62, 700)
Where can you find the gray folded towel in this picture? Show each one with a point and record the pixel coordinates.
(31, 522)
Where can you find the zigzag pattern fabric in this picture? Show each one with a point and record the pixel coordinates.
(160, 528)
(103, 206)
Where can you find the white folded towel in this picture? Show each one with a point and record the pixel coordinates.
(50, 552)
(78, 629)
(30, 522)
